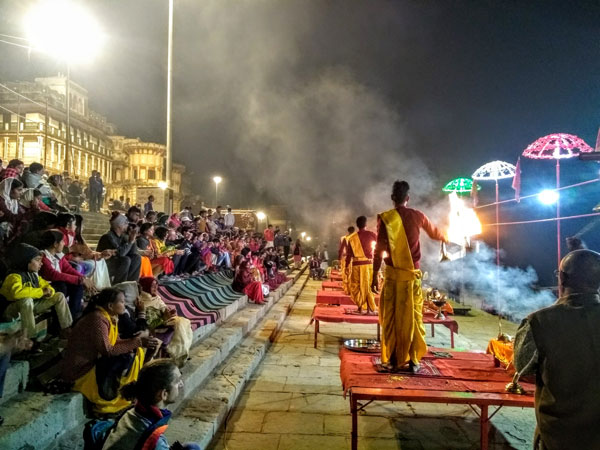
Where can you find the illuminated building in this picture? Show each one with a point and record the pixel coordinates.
(33, 128)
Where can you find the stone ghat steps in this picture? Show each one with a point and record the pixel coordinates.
(33, 420)
(200, 416)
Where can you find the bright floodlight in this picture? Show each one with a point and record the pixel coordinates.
(303, 234)
(163, 185)
(217, 179)
(308, 238)
(63, 29)
(261, 215)
(548, 197)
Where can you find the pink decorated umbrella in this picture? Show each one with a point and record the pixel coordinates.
(557, 146)
(495, 170)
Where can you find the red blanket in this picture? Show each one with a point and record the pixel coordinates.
(464, 372)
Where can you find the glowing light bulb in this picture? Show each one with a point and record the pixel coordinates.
(548, 197)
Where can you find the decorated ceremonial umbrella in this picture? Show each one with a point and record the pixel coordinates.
(460, 186)
(495, 170)
(557, 146)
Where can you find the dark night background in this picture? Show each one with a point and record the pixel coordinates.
(313, 103)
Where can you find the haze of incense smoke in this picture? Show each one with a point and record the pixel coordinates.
(477, 274)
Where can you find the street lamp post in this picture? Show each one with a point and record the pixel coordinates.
(217, 180)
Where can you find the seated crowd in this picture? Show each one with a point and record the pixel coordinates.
(111, 334)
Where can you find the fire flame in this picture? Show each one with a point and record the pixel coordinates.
(463, 222)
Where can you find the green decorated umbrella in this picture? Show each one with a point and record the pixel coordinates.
(460, 186)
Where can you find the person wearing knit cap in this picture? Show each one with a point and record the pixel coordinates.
(28, 293)
(125, 264)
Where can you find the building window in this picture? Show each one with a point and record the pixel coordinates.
(151, 174)
(135, 174)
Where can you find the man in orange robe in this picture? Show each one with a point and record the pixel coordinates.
(401, 301)
(342, 260)
(359, 253)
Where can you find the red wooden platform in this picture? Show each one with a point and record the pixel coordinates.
(337, 314)
(334, 285)
(467, 378)
(332, 308)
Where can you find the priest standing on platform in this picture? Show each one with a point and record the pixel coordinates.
(401, 303)
(342, 259)
(359, 266)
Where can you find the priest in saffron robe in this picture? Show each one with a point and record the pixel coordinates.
(359, 254)
(342, 259)
(401, 302)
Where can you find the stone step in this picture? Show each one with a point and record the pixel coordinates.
(33, 420)
(203, 413)
(15, 381)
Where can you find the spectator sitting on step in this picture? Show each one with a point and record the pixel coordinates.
(28, 294)
(33, 179)
(65, 223)
(14, 169)
(162, 261)
(244, 282)
(158, 316)
(62, 276)
(88, 262)
(31, 197)
(115, 205)
(316, 271)
(96, 360)
(145, 249)
(150, 217)
(125, 264)
(159, 384)
(58, 198)
(14, 218)
(134, 214)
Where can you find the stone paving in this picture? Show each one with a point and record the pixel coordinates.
(294, 399)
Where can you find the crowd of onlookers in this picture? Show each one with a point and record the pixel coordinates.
(105, 300)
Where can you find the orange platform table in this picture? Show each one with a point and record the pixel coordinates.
(337, 298)
(468, 378)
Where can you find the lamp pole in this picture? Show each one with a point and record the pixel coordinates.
(169, 150)
(217, 180)
(68, 158)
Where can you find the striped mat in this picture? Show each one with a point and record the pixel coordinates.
(186, 308)
(210, 294)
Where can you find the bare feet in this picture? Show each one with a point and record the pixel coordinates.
(371, 313)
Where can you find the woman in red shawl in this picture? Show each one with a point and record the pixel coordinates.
(245, 283)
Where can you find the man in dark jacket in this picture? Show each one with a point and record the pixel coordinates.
(561, 345)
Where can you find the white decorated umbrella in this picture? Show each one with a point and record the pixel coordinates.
(495, 170)
(557, 146)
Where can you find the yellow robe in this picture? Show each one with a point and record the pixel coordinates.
(401, 302)
(360, 276)
(345, 270)
(86, 384)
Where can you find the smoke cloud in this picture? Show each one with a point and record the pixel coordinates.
(510, 291)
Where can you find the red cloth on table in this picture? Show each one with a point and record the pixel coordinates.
(331, 285)
(337, 298)
(464, 372)
(338, 314)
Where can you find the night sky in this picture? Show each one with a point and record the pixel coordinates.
(321, 104)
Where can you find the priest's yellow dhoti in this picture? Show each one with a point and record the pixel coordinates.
(401, 301)
(361, 273)
(345, 276)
